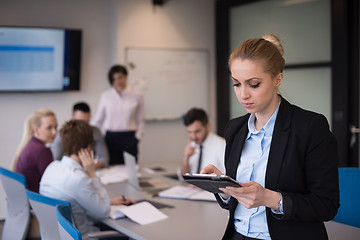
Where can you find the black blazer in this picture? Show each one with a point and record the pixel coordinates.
(302, 165)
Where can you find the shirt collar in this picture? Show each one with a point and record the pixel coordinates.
(70, 162)
(206, 141)
(268, 128)
(124, 92)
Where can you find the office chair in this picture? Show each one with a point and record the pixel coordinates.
(349, 211)
(18, 210)
(67, 230)
(45, 211)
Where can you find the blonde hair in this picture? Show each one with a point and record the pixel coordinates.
(34, 120)
(267, 50)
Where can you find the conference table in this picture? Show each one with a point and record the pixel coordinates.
(188, 219)
(339, 231)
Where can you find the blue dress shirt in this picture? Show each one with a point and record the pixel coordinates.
(253, 162)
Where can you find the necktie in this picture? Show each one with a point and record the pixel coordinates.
(199, 162)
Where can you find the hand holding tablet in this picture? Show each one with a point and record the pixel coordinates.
(210, 182)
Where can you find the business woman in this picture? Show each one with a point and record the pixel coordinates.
(33, 156)
(284, 157)
(121, 113)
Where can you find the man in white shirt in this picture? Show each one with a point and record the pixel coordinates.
(203, 147)
(74, 179)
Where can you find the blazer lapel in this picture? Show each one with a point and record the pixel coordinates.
(236, 150)
(278, 145)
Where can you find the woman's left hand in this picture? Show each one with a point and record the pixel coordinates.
(252, 195)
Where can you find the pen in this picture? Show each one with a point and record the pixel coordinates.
(126, 201)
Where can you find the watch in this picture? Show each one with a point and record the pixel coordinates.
(280, 204)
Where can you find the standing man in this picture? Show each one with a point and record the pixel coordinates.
(203, 147)
(81, 111)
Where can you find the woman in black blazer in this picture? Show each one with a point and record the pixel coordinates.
(284, 157)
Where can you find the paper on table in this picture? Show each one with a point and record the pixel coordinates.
(203, 195)
(149, 170)
(153, 170)
(113, 174)
(115, 211)
(142, 213)
(186, 192)
(181, 192)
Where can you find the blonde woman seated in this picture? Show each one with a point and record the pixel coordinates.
(33, 156)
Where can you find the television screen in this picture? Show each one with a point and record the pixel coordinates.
(39, 59)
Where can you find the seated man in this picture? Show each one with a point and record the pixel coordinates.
(203, 147)
(81, 111)
(74, 179)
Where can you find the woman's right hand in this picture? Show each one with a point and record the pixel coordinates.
(211, 169)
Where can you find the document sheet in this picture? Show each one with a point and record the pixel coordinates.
(141, 213)
(113, 174)
(187, 192)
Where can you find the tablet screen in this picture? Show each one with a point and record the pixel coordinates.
(210, 183)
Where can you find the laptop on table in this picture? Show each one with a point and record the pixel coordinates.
(151, 184)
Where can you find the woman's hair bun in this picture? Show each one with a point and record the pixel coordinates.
(274, 40)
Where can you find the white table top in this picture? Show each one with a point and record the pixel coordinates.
(339, 231)
(187, 220)
(190, 219)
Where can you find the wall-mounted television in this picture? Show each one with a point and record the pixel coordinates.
(34, 59)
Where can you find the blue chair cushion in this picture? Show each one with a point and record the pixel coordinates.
(349, 211)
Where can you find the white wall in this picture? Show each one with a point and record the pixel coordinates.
(109, 26)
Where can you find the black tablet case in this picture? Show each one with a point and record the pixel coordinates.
(210, 183)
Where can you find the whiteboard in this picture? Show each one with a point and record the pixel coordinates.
(171, 80)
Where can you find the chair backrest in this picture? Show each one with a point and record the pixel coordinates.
(18, 210)
(45, 211)
(67, 230)
(349, 211)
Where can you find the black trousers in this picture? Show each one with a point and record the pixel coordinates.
(118, 142)
(237, 236)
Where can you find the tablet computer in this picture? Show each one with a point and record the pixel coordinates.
(210, 182)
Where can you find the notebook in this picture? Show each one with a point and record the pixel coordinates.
(187, 192)
(151, 184)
